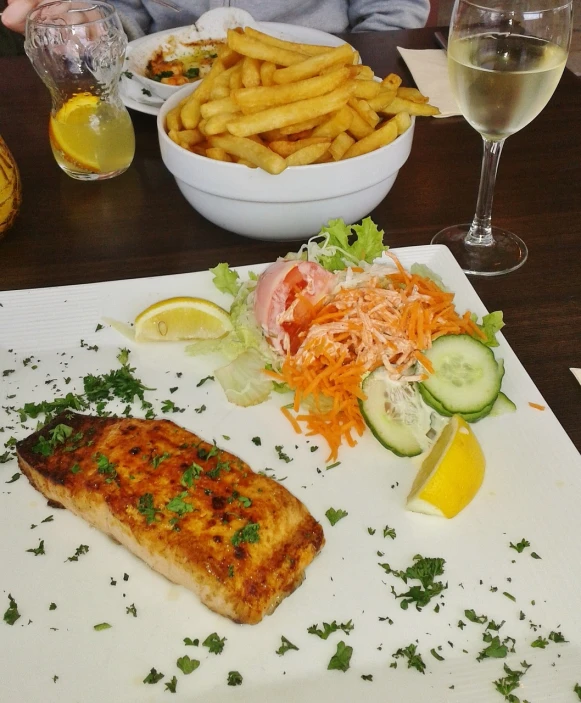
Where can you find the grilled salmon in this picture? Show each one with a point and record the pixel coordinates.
(193, 512)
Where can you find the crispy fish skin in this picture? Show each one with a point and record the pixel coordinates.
(136, 481)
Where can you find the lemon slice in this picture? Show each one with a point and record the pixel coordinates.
(451, 473)
(182, 318)
(68, 130)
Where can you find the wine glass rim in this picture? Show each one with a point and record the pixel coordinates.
(75, 6)
(480, 5)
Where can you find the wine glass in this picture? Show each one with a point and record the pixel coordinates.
(505, 59)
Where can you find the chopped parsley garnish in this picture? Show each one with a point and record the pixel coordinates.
(509, 596)
(158, 458)
(437, 656)
(507, 684)
(214, 473)
(52, 606)
(285, 646)
(14, 478)
(389, 532)
(147, 508)
(424, 570)
(187, 665)
(75, 468)
(11, 614)
(534, 555)
(333, 466)
(6, 457)
(540, 642)
(153, 676)
(371, 530)
(203, 380)
(248, 533)
(577, 690)
(157, 77)
(471, 615)
(179, 506)
(214, 643)
(147, 92)
(257, 441)
(414, 659)
(342, 657)
(172, 684)
(281, 455)
(367, 677)
(168, 406)
(81, 549)
(58, 435)
(37, 550)
(192, 72)
(496, 649)
(234, 678)
(557, 637)
(335, 515)
(102, 626)
(104, 466)
(49, 518)
(520, 546)
(330, 628)
(190, 642)
(131, 610)
(192, 473)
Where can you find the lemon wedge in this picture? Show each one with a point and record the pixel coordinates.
(68, 129)
(451, 473)
(182, 318)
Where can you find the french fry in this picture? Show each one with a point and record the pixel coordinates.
(308, 49)
(391, 81)
(245, 162)
(340, 144)
(284, 115)
(236, 78)
(247, 46)
(341, 55)
(365, 89)
(191, 112)
(215, 152)
(307, 155)
(339, 122)
(216, 107)
(250, 72)
(363, 72)
(286, 148)
(378, 138)
(412, 94)
(189, 137)
(359, 127)
(304, 126)
(267, 68)
(362, 108)
(256, 99)
(173, 120)
(382, 99)
(403, 122)
(217, 124)
(401, 105)
(257, 154)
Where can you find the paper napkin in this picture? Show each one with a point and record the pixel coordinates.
(576, 373)
(429, 67)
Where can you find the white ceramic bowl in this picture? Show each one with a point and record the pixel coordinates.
(293, 205)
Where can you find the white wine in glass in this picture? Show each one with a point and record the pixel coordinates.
(505, 59)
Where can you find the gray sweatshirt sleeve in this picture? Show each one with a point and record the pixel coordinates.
(378, 15)
(134, 17)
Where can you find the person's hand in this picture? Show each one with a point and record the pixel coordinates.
(14, 16)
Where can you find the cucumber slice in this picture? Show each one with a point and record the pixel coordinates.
(395, 414)
(439, 408)
(466, 377)
(503, 404)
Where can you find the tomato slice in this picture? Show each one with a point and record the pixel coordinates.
(287, 297)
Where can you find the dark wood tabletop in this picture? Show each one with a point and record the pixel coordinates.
(138, 224)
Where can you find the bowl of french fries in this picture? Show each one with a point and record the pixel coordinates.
(281, 136)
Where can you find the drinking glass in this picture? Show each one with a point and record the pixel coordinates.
(78, 49)
(505, 59)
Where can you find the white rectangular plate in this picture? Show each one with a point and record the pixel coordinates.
(531, 490)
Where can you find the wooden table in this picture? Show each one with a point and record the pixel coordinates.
(140, 225)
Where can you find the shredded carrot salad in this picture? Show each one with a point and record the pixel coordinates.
(388, 320)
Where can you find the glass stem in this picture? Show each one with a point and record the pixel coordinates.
(480, 233)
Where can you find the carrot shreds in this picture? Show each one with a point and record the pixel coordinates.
(295, 425)
(387, 320)
(537, 406)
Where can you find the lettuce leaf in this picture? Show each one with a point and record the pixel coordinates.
(490, 325)
(426, 272)
(225, 279)
(338, 245)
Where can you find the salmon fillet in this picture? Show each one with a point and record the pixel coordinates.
(195, 513)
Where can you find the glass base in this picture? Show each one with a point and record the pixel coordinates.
(82, 175)
(505, 253)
